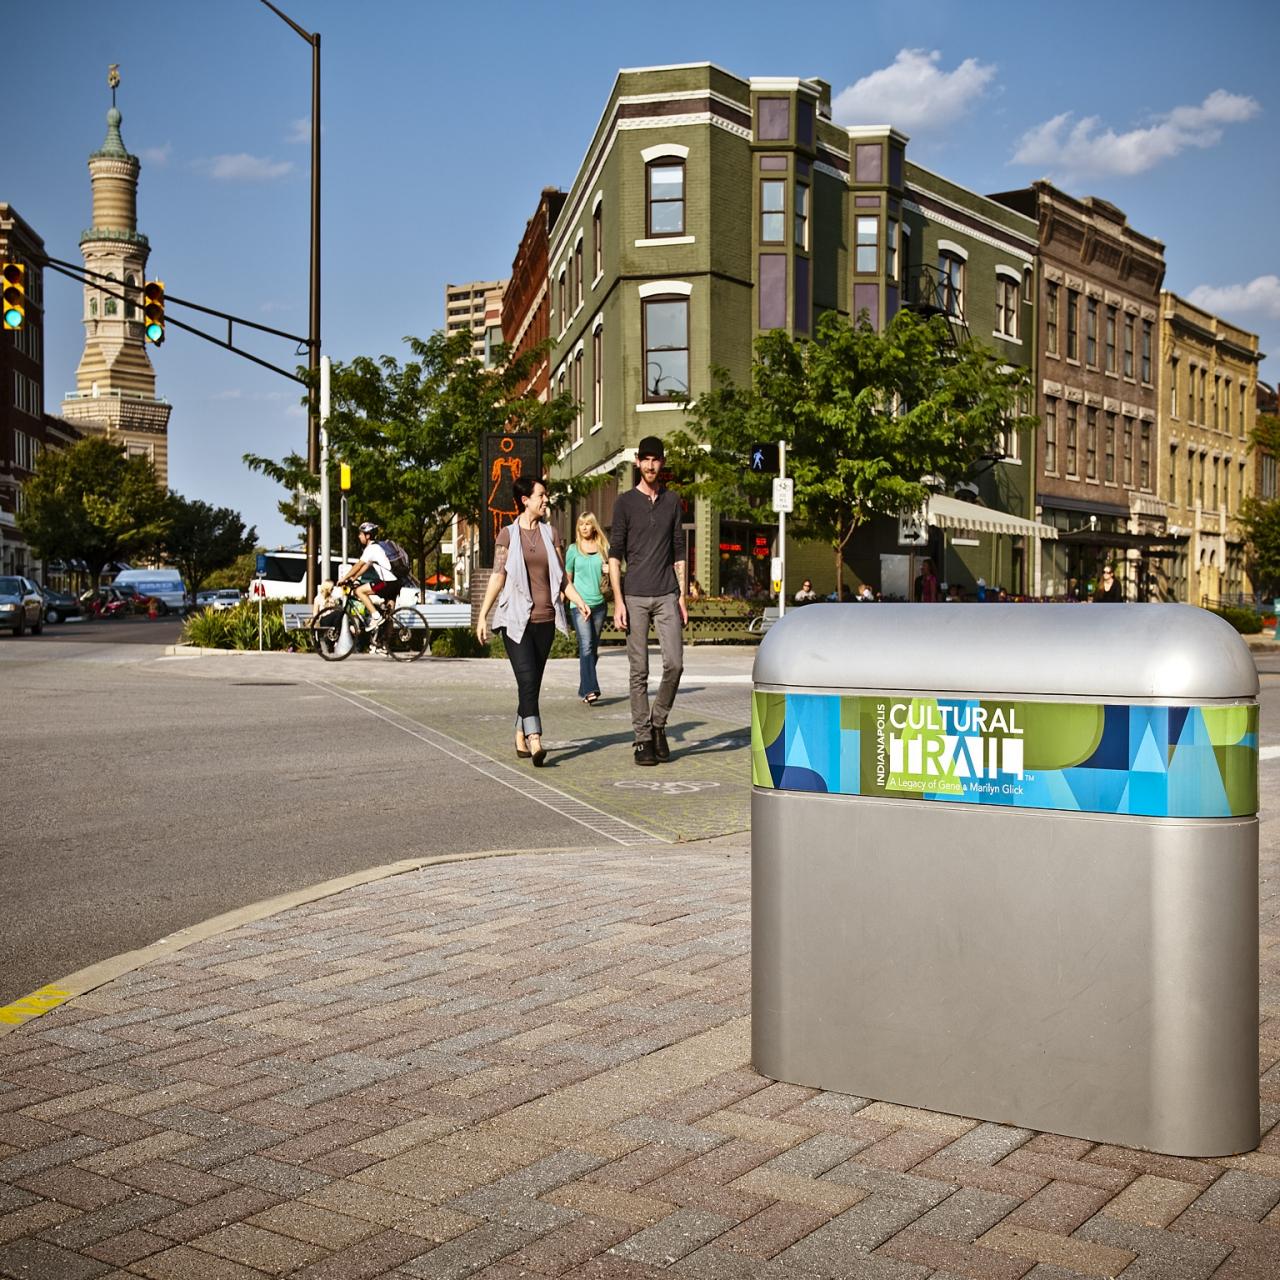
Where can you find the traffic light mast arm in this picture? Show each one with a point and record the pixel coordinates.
(83, 274)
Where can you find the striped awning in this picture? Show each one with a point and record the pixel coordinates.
(951, 513)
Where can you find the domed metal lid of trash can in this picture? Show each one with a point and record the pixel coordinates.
(1154, 651)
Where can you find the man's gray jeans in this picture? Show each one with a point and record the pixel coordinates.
(664, 611)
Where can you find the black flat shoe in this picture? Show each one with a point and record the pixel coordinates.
(523, 753)
(538, 757)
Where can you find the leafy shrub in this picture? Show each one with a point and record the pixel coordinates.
(1245, 621)
(238, 629)
(461, 642)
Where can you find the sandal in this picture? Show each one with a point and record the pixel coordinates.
(592, 698)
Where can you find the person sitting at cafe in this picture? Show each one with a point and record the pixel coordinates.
(806, 594)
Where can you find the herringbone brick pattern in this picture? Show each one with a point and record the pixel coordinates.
(539, 1067)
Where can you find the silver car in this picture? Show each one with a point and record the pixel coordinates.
(21, 605)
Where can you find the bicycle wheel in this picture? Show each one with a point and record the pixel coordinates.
(407, 634)
(332, 635)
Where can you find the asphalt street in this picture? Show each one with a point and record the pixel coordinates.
(148, 792)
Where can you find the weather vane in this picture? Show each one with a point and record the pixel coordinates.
(113, 79)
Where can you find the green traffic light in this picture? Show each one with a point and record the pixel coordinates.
(13, 318)
(155, 332)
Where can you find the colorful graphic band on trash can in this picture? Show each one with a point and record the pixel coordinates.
(1119, 758)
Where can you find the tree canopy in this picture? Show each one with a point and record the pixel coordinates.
(870, 420)
(411, 435)
(90, 502)
(1260, 517)
(202, 538)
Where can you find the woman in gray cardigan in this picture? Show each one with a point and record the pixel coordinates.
(528, 571)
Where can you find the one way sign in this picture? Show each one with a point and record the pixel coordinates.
(913, 528)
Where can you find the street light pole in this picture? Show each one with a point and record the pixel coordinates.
(313, 331)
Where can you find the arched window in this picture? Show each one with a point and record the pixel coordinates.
(130, 310)
(93, 308)
(951, 283)
(666, 347)
(664, 188)
(109, 307)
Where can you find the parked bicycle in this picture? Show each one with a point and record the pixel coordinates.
(403, 634)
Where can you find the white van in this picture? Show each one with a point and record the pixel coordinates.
(164, 585)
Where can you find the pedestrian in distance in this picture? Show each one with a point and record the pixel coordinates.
(529, 584)
(648, 534)
(806, 594)
(587, 566)
(1108, 590)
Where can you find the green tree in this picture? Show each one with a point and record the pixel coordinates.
(868, 417)
(202, 538)
(90, 502)
(1260, 517)
(1260, 520)
(411, 434)
(239, 573)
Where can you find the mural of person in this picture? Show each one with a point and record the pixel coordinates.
(505, 471)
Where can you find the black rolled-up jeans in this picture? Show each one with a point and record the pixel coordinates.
(528, 661)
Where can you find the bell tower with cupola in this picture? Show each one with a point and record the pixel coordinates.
(115, 391)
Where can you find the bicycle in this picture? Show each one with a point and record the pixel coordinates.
(404, 633)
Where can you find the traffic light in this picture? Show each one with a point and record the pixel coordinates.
(763, 459)
(14, 277)
(153, 311)
(344, 477)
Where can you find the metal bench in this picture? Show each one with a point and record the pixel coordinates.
(296, 616)
(761, 622)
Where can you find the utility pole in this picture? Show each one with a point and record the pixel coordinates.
(326, 549)
(313, 334)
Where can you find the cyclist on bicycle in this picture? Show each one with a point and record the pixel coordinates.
(375, 578)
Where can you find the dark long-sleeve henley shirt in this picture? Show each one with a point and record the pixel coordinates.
(649, 536)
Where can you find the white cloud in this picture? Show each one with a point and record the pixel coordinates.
(1260, 296)
(299, 130)
(1087, 149)
(158, 156)
(247, 168)
(913, 92)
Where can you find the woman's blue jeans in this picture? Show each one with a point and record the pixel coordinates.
(588, 630)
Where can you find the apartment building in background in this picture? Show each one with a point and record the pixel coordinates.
(1097, 465)
(466, 307)
(710, 208)
(1208, 408)
(526, 302)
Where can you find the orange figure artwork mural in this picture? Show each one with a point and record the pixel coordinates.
(506, 456)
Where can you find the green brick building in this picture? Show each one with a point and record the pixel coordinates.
(709, 208)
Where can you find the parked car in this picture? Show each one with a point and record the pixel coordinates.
(220, 600)
(59, 605)
(21, 605)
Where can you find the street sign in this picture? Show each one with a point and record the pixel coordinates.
(783, 495)
(257, 589)
(913, 528)
(261, 568)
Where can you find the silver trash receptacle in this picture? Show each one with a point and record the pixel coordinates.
(1005, 865)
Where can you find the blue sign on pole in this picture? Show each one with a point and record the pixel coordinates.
(262, 565)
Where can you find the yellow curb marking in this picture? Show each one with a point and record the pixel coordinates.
(32, 1006)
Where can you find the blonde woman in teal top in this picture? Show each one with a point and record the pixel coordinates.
(586, 565)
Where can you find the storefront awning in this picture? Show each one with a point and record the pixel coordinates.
(951, 513)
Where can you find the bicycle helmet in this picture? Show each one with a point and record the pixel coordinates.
(369, 527)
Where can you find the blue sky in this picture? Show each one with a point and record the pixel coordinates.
(442, 122)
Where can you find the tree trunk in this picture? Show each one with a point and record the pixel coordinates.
(840, 570)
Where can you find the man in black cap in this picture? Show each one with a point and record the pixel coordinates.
(648, 533)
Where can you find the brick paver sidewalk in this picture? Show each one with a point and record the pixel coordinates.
(539, 1066)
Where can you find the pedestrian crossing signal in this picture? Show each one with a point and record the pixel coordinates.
(153, 311)
(13, 275)
(763, 459)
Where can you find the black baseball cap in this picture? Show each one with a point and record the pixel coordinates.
(651, 447)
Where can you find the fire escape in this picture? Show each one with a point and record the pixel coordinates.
(929, 291)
